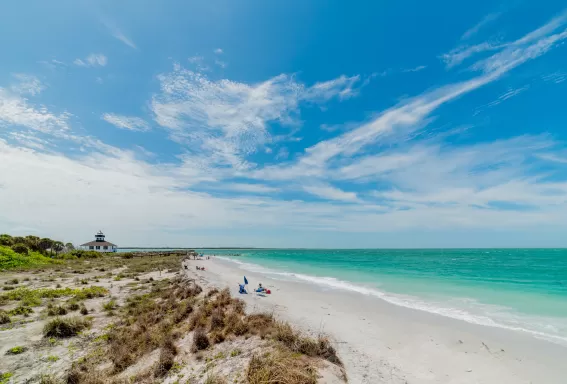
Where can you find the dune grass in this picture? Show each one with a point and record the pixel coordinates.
(65, 327)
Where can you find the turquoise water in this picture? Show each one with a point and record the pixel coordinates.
(520, 289)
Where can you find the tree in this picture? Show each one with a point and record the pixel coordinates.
(45, 244)
(69, 247)
(32, 242)
(57, 247)
(6, 240)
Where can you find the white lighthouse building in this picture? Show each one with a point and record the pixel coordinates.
(99, 245)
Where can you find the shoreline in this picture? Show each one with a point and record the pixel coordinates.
(380, 341)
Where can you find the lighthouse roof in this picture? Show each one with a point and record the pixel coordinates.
(98, 243)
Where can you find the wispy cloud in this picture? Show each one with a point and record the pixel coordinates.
(16, 111)
(116, 32)
(408, 116)
(126, 122)
(485, 21)
(415, 69)
(228, 120)
(512, 92)
(27, 84)
(524, 48)
(329, 192)
(92, 60)
(218, 51)
(556, 77)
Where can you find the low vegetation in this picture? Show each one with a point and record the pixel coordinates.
(22, 258)
(65, 327)
(32, 297)
(16, 350)
(156, 316)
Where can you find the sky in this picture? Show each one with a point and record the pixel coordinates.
(359, 124)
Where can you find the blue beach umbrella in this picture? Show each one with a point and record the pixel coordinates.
(245, 281)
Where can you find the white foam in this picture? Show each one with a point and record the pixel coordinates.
(487, 315)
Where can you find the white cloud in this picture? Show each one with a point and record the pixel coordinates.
(329, 192)
(92, 60)
(556, 77)
(27, 85)
(485, 21)
(250, 188)
(512, 92)
(126, 122)
(15, 111)
(218, 51)
(415, 69)
(228, 120)
(529, 46)
(460, 54)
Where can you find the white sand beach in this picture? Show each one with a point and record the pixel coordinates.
(383, 343)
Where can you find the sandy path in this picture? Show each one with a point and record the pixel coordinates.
(383, 343)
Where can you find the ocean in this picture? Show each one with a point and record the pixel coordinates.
(519, 289)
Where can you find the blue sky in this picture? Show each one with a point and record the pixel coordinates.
(285, 123)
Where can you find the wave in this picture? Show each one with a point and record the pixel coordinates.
(485, 314)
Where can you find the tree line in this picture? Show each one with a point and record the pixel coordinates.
(25, 244)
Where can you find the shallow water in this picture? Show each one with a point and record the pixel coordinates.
(520, 289)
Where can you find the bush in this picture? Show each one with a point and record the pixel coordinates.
(4, 318)
(9, 259)
(73, 306)
(84, 311)
(56, 311)
(22, 249)
(200, 340)
(110, 305)
(21, 310)
(81, 254)
(166, 357)
(65, 327)
(16, 350)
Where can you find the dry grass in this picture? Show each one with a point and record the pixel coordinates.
(148, 322)
(4, 318)
(166, 358)
(215, 379)
(200, 340)
(65, 327)
(56, 310)
(280, 367)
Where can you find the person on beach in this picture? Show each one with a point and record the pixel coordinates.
(260, 288)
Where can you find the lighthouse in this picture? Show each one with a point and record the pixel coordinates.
(100, 244)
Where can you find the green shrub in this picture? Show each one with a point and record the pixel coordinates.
(9, 259)
(84, 310)
(21, 310)
(56, 311)
(22, 249)
(65, 327)
(110, 305)
(16, 350)
(5, 377)
(32, 297)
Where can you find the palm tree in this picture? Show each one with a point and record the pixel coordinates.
(57, 247)
(45, 244)
(32, 242)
